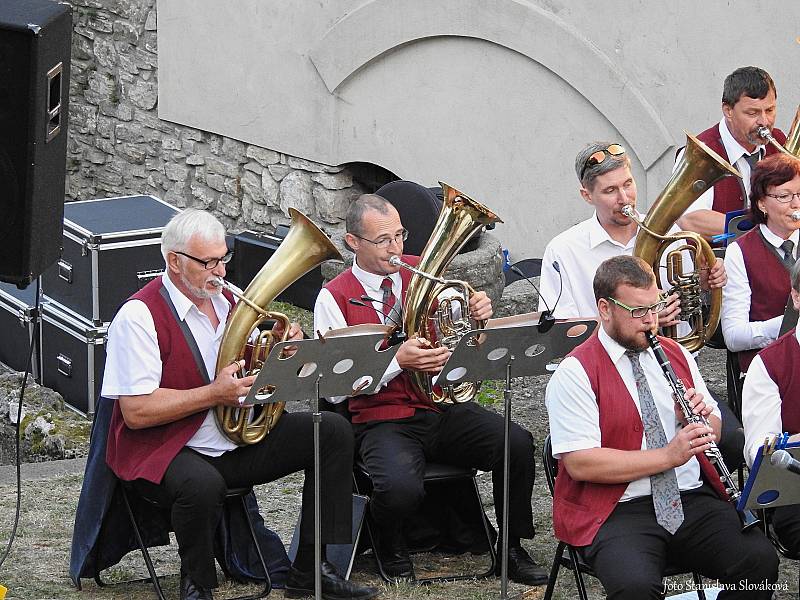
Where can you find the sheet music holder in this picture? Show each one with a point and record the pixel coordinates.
(507, 348)
(349, 361)
(737, 223)
(769, 486)
(789, 317)
(343, 362)
(482, 354)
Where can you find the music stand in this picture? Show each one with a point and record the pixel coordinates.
(512, 347)
(769, 486)
(344, 362)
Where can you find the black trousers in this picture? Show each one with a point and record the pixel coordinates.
(464, 435)
(786, 522)
(631, 550)
(194, 486)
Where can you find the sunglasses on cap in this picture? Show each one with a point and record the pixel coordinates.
(597, 157)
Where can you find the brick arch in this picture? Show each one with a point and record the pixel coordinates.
(378, 27)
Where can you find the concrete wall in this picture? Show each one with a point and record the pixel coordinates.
(118, 145)
(492, 96)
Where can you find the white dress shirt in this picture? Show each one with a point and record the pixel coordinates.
(328, 315)
(574, 417)
(739, 331)
(133, 359)
(579, 251)
(761, 408)
(736, 154)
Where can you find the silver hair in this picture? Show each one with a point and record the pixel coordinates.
(794, 276)
(610, 163)
(187, 224)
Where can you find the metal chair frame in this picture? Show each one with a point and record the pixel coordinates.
(434, 473)
(574, 561)
(232, 494)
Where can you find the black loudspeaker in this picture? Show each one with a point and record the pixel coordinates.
(35, 38)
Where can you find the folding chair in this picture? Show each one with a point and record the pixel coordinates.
(574, 561)
(435, 473)
(233, 494)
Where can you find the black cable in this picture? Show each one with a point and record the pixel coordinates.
(34, 337)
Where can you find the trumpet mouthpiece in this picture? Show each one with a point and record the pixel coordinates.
(395, 261)
(763, 132)
(796, 215)
(217, 282)
(628, 211)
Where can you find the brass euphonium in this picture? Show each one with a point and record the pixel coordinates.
(792, 144)
(699, 169)
(304, 247)
(433, 312)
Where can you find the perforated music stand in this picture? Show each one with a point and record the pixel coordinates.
(769, 486)
(508, 348)
(344, 362)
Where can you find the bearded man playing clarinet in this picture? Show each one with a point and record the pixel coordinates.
(399, 429)
(634, 490)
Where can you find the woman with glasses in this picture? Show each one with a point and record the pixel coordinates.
(758, 263)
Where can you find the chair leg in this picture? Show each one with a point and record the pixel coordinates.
(142, 547)
(573, 555)
(551, 581)
(698, 584)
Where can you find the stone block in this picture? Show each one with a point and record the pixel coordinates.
(129, 132)
(233, 150)
(517, 298)
(195, 159)
(133, 154)
(263, 156)
(255, 215)
(307, 165)
(83, 118)
(215, 182)
(295, 191)
(204, 194)
(141, 94)
(278, 172)
(222, 167)
(332, 205)
(105, 53)
(270, 187)
(170, 143)
(229, 206)
(151, 23)
(254, 167)
(176, 172)
(333, 181)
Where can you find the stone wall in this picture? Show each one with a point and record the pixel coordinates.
(118, 146)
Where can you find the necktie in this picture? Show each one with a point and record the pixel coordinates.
(663, 486)
(788, 259)
(752, 159)
(388, 299)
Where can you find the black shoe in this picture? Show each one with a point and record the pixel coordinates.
(191, 591)
(334, 587)
(522, 568)
(393, 554)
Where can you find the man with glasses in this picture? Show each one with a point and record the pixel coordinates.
(398, 429)
(163, 439)
(749, 101)
(634, 489)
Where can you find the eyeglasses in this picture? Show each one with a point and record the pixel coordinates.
(597, 157)
(784, 198)
(637, 312)
(384, 243)
(211, 263)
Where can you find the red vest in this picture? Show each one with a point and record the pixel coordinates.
(781, 360)
(769, 284)
(400, 398)
(728, 191)
(146, 453)
(580, 507)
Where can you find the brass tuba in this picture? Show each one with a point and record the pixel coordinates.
(429, 316)
(699, 169)
(792, 144)
(304, 247)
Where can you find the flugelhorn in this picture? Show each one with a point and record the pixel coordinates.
(699, 169)
(792, 145)
(304, 247)
(461, 217)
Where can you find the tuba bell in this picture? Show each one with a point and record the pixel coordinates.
(304, 247)
(429, 312)
(699, 169)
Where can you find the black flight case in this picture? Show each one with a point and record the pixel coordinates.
(18, 319)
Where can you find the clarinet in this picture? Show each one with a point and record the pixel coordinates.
(713, 453)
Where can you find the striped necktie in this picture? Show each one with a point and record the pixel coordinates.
(388, 299)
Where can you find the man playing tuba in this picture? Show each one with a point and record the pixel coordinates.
(399, 428)
(163, 438)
